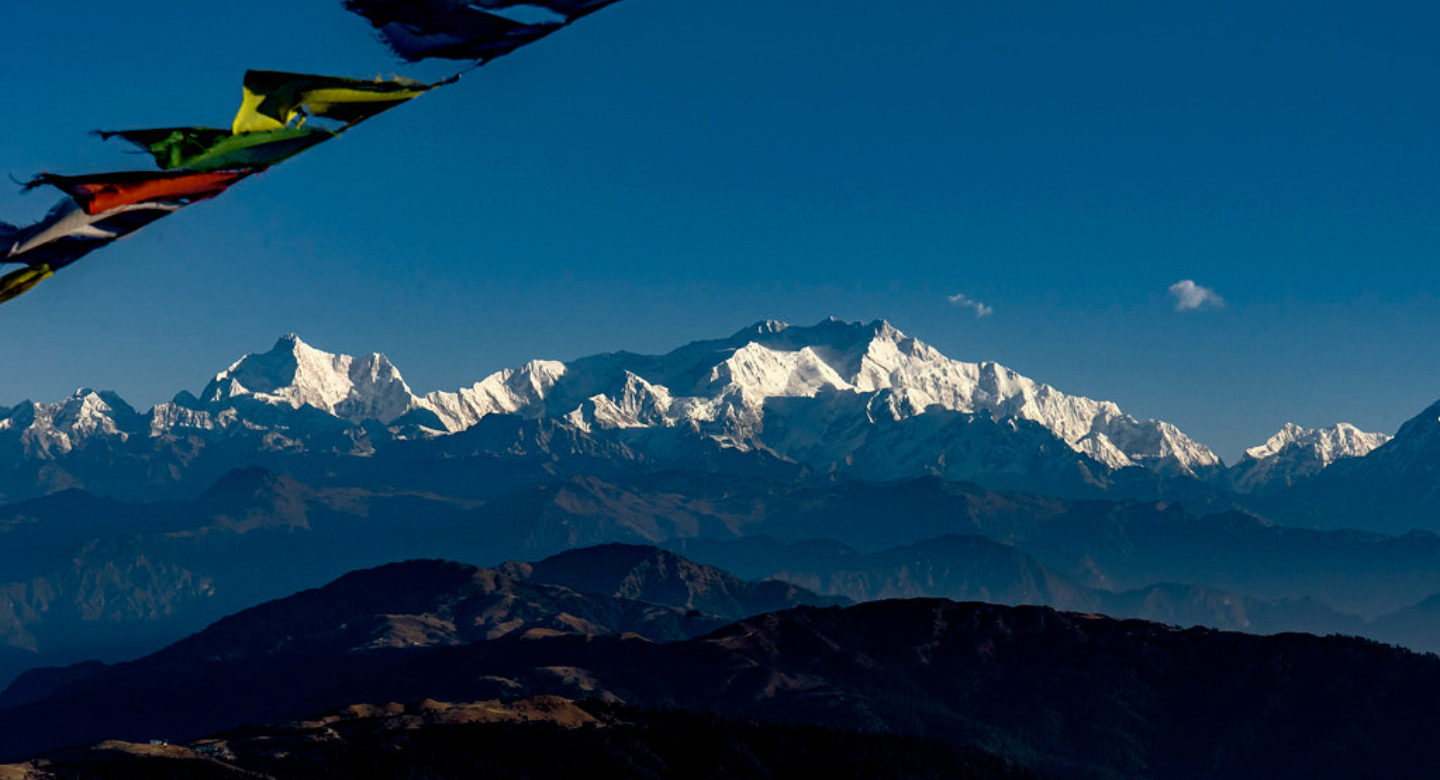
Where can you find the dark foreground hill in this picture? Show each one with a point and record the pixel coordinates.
(310, 645)
(543, 738)
(1067, 694)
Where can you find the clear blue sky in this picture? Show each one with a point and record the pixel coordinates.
(668, 170)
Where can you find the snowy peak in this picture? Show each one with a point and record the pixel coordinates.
(1325, 444)
(1396, 486)
(830, 395)
(758, 372)
(636, 404)
(732, 390)
(296, 374)
(88, 412)
(46, 431)
(842, 345)
(1295, 453)
(512, 391)
(873, 357)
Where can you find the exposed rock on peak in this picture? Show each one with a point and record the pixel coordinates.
(759, 329)
(1342, 440)
(47, 431)
(295, 374)
(1296, 453)
(828, 397)
(511, 391)
(730, 390)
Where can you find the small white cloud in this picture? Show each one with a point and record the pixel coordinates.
(966, 302)
(1190, 296)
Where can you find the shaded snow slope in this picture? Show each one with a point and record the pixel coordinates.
(1296, 453)
(822, 394)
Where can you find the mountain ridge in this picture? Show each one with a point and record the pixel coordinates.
(840, 398)
(1396, 487)
(721, 389)
(1066, 694)
(1295, 453)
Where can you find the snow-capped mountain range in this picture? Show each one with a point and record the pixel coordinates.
(723, 389)
(1394, 488)
(1296, 453)
(858, 398)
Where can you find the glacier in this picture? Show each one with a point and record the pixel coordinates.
(739, 392)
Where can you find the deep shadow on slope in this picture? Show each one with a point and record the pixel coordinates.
(614, 743)
(1071, 695)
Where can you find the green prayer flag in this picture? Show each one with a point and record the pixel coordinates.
(214, 149)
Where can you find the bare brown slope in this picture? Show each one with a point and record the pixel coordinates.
(307, 650)
(660, 577)
(1070, 694)
(540, 738)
